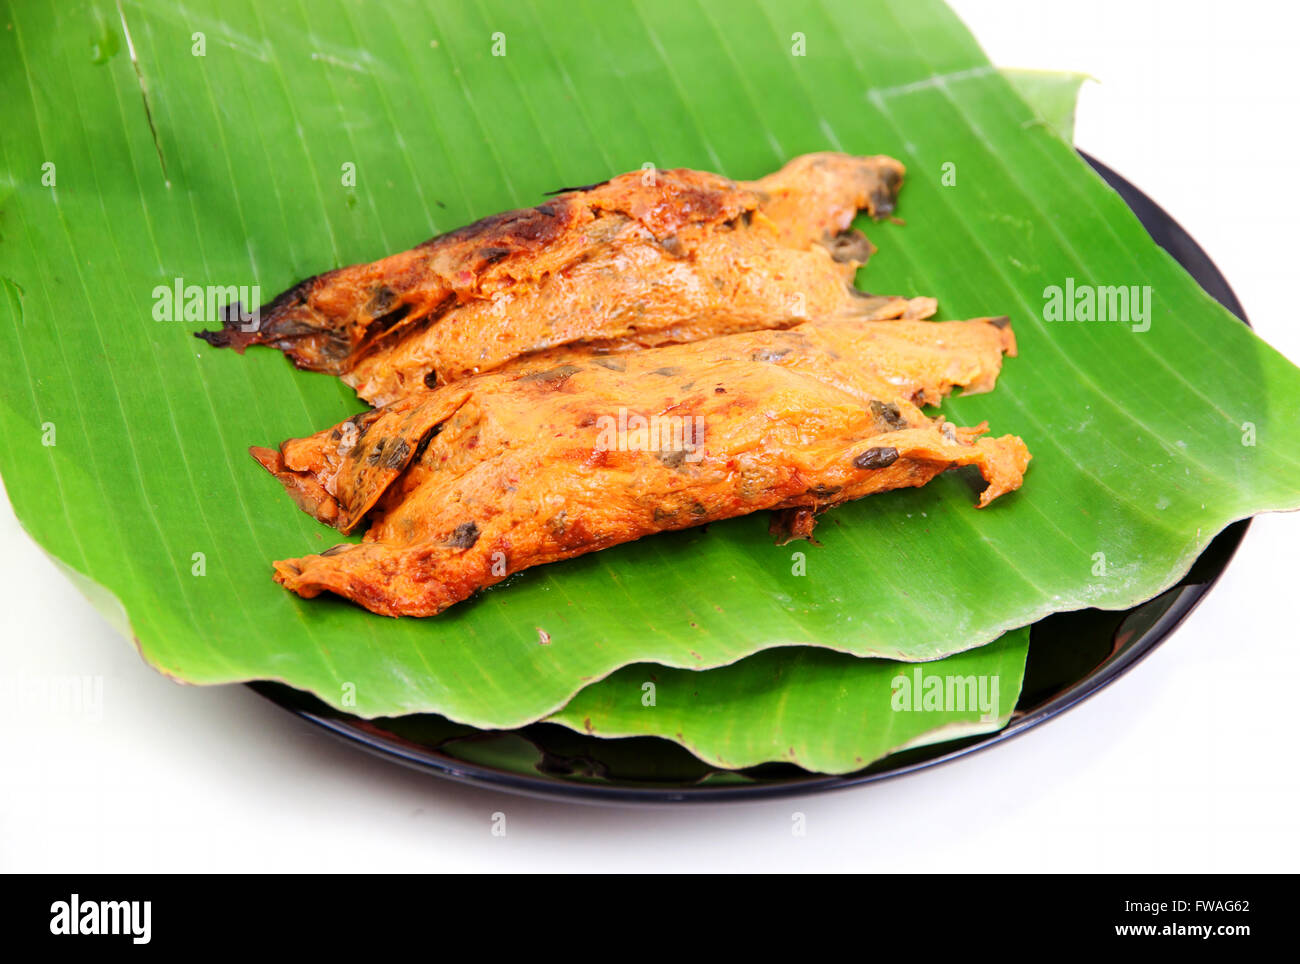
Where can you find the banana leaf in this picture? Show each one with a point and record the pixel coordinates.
(238, 144)
(1053, 94)
(824, 711)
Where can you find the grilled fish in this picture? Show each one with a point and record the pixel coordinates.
(571, 451)
(647, 258)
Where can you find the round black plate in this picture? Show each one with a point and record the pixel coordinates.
(1071, 656)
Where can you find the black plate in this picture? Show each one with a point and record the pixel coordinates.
(1071, 656)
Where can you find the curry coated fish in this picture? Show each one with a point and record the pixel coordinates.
(646, 258)
(570, 452)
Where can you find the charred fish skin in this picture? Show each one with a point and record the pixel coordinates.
(641, 298)
(531, 464)
(632, 235)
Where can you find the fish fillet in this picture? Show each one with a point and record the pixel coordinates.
(647, 258)
(569, 452)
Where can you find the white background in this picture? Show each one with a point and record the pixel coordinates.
(1186, 764)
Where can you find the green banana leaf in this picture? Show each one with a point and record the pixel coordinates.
(1053, 94)
(824, 711)
(138, 162)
